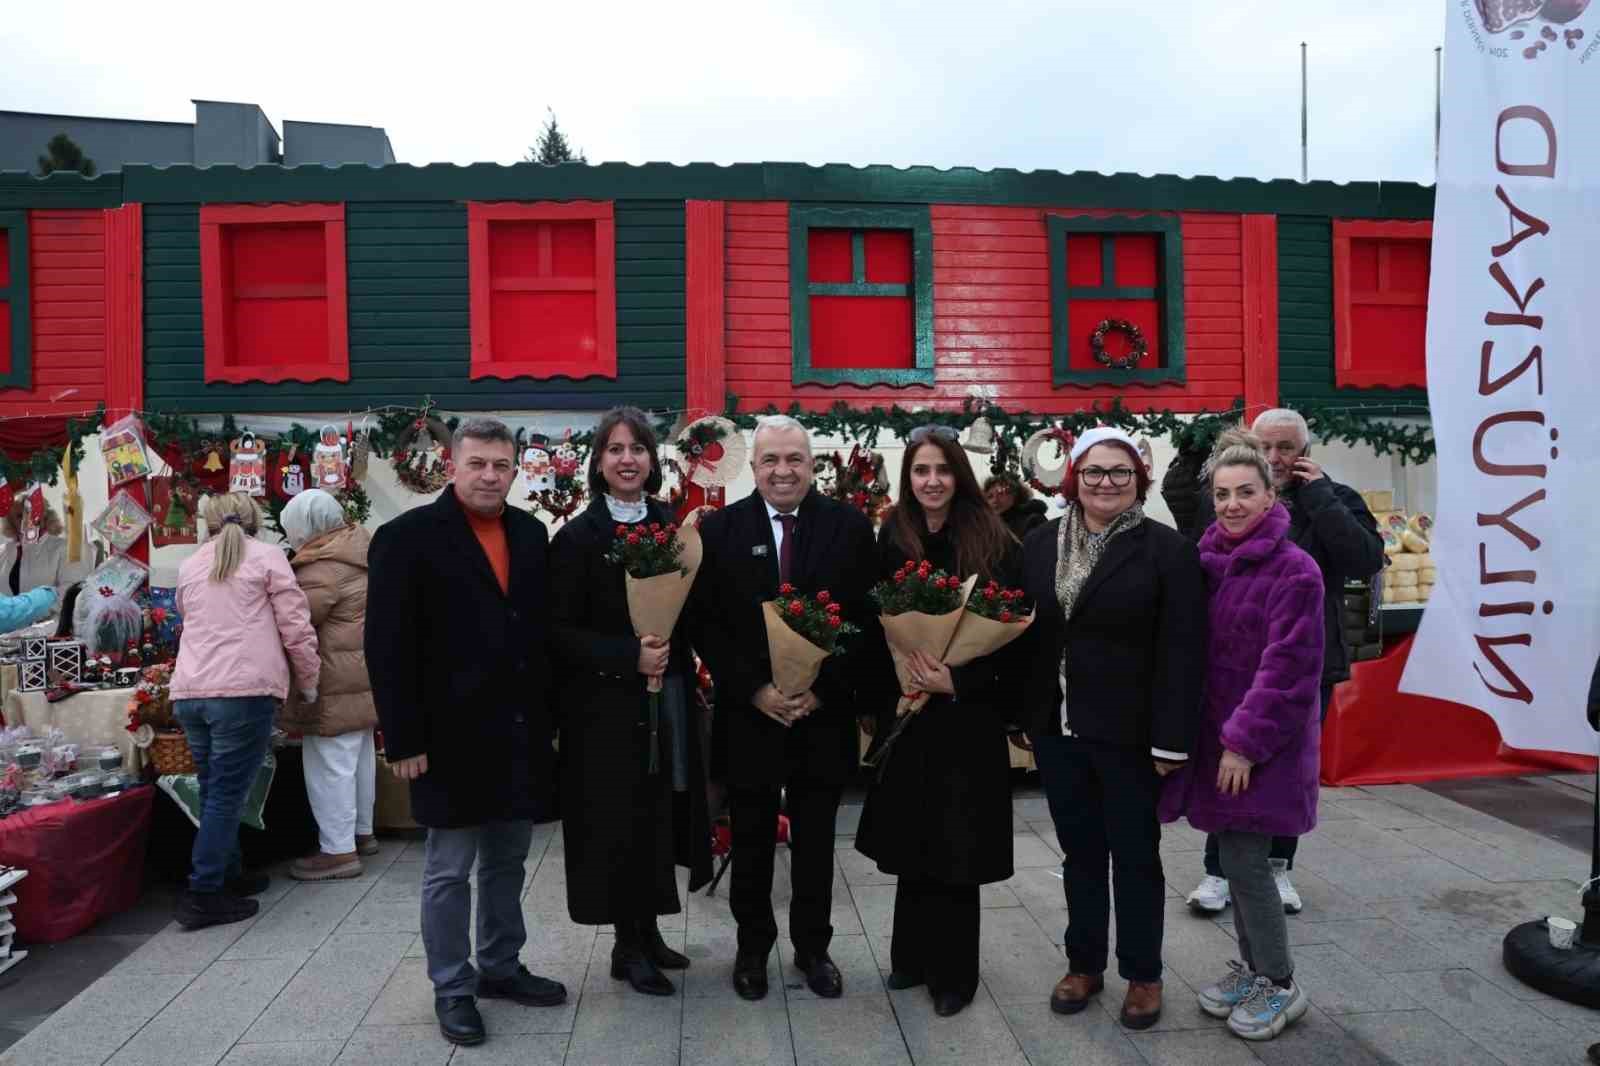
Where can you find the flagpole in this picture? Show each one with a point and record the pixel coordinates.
(1439, 88)
(1304, 103)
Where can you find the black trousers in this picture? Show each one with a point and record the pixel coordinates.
(1282, 847)
(1103, 801)
(936, 934)
(753, 812)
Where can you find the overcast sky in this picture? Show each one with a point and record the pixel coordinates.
(1162, 86)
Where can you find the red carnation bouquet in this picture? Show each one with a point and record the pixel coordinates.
(658, 563)
(802, 631)
(920, 608)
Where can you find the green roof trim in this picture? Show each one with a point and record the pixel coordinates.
(756, 181)
(20, 189)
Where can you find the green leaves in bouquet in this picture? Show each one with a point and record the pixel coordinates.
(647, 550)
(1000, 604)
(817, 618)
(917, 587)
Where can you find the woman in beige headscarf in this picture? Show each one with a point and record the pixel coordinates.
(330, 563)
(31, 564)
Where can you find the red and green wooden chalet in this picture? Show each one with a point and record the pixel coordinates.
(270, 289)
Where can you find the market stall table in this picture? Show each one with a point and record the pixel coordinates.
(1377, 735)
(97, 716)
(85, 861)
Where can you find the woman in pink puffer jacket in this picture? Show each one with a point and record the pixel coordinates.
(245, 623)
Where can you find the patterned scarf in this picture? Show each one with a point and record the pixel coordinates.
(1078, 552)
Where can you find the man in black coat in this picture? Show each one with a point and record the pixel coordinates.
(762, 740)
(1332, 524)
(455, 644)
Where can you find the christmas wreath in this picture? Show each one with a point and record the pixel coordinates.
(1036, 473)
(417, 465)
(566, 471)
(1138, 347)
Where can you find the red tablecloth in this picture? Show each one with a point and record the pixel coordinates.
(1377, 735)
(84, 861)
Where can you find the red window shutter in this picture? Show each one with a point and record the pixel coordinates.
(1136, 260)
(1380, 281)
(855, 330)
(543, 289)
(273, 291)
(1084, 262)
(828, 256)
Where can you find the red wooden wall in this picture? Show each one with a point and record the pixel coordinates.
(991, 315)
(67, 262)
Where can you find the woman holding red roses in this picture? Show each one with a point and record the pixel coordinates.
(939, 816)
(630, 814)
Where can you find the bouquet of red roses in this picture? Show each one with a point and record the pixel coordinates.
(994, 617)
(802, 631)
(920, 608)
(658, 564)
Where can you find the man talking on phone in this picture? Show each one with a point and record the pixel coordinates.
(1331, 523)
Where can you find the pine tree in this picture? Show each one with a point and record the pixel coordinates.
(64, 154)
(553, 146)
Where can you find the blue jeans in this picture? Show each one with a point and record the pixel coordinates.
(229, 740)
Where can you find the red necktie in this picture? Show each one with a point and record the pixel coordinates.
(786, 549)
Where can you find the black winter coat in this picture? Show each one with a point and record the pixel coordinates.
(1135, 644)
(1181, 489)
(1329, 522)
(833, 551)
(624, 829)
(942, 806)
(1023, 518)
(459, 669)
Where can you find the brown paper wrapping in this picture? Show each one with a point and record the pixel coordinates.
(796, 661)
(654, 603)
(915, 631)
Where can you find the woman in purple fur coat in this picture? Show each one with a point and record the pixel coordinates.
(1254, 774)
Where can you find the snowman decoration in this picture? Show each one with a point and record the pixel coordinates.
(536, 471)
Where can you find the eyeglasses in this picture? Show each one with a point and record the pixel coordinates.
(1094, 475)
(922, 433)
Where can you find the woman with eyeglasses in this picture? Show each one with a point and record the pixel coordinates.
(939, 816)
(1112, 696)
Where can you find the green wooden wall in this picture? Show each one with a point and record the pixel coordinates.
(1305, 320)
(407, 267)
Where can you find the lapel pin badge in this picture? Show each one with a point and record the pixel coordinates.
(759, 551)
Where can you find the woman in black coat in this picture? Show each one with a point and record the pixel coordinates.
(939, 816)
(625, 824)
(1113, 687)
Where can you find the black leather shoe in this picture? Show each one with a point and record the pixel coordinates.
(635, 966)
(822, 976)
(750, 976)
(459, 1020)
(658, 951)
(196, 910)
(524, 988)
(947, 1003)
(246, 885)
(899, 979)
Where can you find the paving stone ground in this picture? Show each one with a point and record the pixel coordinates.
(1408, 894)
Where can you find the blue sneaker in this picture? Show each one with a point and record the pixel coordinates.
(1220, 999)
(1267, 1010)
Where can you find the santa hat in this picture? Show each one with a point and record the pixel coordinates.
(1102, 435)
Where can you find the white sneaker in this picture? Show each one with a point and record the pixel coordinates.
(1211, 896)
(1286, 892)
(1267, 1011)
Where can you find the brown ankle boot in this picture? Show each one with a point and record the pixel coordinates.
(1142, 1007)
(324, 867)
(1073, 991)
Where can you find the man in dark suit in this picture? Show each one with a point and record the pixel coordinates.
(455, 644)
(763, 740)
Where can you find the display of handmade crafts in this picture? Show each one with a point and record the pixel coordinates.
(123, 521)
(327, 460)
(247, 467)
(420, 455)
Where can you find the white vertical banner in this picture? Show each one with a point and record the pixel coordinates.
(1513, 627)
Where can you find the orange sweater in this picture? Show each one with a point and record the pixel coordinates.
(491, 534)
